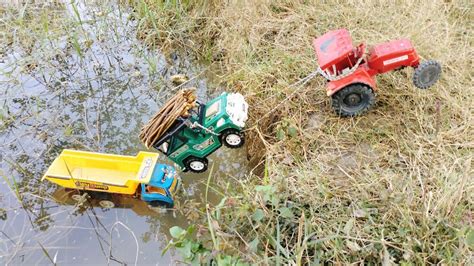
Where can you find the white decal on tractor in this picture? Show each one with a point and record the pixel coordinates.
(179, 151)
(204, 144)
(394, 60)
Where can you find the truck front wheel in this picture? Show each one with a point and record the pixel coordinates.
(195, 164)
(233, 138)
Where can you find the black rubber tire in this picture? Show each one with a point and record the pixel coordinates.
(352, 100)
(106, 204)
(426, 74)
(191, 161)
(230, 132)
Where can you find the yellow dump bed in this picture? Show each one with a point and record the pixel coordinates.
(101, 172)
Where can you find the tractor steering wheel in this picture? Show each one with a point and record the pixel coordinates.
(359, 51)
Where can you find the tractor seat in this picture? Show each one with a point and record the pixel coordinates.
(359, 51)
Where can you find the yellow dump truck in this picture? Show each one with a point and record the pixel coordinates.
(105, 175)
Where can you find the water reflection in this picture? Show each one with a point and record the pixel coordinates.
(91, 88)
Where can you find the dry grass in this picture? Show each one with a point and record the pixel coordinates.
(394, 185)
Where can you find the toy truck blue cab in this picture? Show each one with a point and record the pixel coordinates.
(164, 182)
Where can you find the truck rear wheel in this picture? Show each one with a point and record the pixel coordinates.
(426, 74)
(79, 196)
(195, 164)
(352, 100)
(106, 204)
(233, 138)
(76, 197)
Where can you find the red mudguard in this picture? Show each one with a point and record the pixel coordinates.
(359, 76)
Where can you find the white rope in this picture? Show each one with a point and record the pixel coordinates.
(196, 124)
(331, 77)
(300, 83)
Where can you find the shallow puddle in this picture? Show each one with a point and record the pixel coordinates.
(89, 88)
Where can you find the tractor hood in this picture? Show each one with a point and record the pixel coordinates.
(237, 109)
(332, 47)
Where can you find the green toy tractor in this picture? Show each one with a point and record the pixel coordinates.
(192, 138)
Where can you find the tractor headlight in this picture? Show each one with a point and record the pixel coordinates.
(220, 122)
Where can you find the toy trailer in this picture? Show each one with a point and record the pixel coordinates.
(350, 71)
(191, 140)
(105, 176)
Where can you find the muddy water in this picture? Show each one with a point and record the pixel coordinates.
(89, 87)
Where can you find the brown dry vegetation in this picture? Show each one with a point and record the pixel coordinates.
(393, 185)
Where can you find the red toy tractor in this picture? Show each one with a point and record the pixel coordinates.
(350, 70)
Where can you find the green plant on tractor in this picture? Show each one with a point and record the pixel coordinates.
(187, 131)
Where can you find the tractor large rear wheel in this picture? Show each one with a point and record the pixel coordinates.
(353, 100)
(426, 74)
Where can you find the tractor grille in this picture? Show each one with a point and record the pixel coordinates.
(174, 185)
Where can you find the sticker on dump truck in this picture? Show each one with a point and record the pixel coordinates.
(394, 60)
(87, 185)
(146, 168)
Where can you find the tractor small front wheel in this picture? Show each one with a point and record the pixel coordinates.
(196, 165)
(426, 74)
(353, 100)
(233, 138)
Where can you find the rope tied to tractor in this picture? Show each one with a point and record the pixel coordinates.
(298, 85)
(178, 106)
(342, 74)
